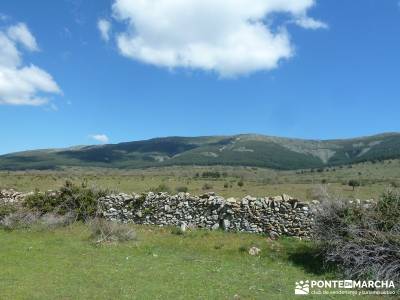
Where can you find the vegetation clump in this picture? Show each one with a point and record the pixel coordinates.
(354, 183)
(161, 188)
(182, 189)
(25, 219)
(78, 199)
(206, 186)
(6, 209)
(362, 239)
(104, 231)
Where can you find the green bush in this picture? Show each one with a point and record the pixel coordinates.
(6, 209)
(211, 174)
(80, 200)
(387, 212)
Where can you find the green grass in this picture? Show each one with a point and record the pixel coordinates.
(375, 178)
(64, 264)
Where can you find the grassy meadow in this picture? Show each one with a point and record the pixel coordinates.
(375, 178)
(65, 264)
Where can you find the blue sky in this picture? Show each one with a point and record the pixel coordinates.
(328, 69)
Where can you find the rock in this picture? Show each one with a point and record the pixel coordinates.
(183, 227)
(273, 235)
(226, 224)
(254, 251)
(215, 226)
(277, 198)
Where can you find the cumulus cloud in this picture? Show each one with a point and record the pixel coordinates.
(229, 37)
(102, 138)
(104, 27)
(22, 84)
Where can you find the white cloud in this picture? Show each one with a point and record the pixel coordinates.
(22, 84)
(20, 33)
(102, 138)
(104, 27)
(310, 23)
(229, 37)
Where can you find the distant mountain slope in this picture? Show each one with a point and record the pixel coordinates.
(245, 150)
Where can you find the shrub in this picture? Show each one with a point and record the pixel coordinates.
(51, 220)
(218, 246)
(211, 174)
(206, 187)
(243, 249)
(177, 231)
(363, 241)
(240, 183)
(161, 188)
(6, 209)
(23, 219)
(395, 184)
(80, 200)
(107, 231)
(182, 189)
(19, 219)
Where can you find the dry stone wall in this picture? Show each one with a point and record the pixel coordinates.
(275, 216)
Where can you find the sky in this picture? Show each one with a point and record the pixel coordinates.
(78, 72)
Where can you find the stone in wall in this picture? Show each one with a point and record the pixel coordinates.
(11, 196)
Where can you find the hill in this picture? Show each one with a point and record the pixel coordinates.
(244, 150)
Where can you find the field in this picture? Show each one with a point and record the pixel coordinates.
(65, 264)
(375, 178)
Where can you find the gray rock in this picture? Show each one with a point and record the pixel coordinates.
(215, 226)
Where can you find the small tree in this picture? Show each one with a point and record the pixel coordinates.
(354, 183)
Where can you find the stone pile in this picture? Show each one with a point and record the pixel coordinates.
(11, 197)
(275, 216)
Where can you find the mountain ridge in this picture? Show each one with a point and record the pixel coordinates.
(241, 149)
